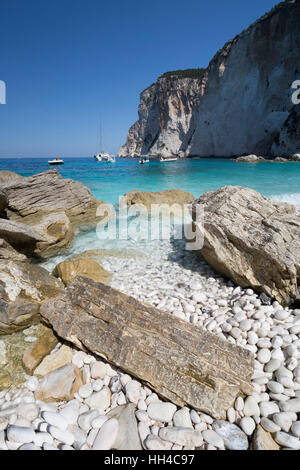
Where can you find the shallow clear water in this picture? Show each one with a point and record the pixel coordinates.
(108, 182)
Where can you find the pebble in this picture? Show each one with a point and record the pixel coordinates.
(64, 436)
(181, 436)
(286, 440)
(248, 425)
(269, 425)
(234, 438)
(98, 370)
(133, 389)
(160, 411)
(251, 407)
(155, 443)
(268, 408)
(182, 418)
(211, 437)
(20, 434)
(106, 435)
(55, 419)
(99, 399)
(295, 429)
(291, 405)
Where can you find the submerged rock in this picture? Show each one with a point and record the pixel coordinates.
(252, 240)
(68, 270)
(169, 197)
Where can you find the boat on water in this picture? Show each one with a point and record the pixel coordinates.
(168, 159)
(102, 156)
(144, 160)
(56, 161)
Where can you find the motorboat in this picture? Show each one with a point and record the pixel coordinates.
(56, 161)
(144, 160)
(168, 159)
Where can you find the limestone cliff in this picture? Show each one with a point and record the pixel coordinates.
(242, 104)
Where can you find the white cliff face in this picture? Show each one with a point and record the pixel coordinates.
(166, 118)
(242, 105)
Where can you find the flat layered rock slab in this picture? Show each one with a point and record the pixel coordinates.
(182, 363)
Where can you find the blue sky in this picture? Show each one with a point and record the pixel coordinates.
(66, 61)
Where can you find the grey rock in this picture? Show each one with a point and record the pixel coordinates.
(148, 344)
(128, 436)
(240, 229)
(234, 438)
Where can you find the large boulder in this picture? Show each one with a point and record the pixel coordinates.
(30, 199)
(23, 287)
(53, 207)
(20, 236)
(3, 202)
(169, 197)
(251, 240)
(182, 362)
(68, 270)
(57, 231)
(7, 176)
(7, 252)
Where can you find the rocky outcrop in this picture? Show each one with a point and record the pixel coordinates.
(287, 142)
(23, 286)
(169, 197)
(252, 240)
(57, 231)
(7, 252)
(249, 159)
(7, 176)
(68, 270)
(53, 207)
(241, 105)
(166, 118)
(3, 202)
(181, 362)
(20, 236)
(30, 199)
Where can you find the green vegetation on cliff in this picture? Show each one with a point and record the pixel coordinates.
(187, 73)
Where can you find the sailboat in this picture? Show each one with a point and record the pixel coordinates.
(102, 156)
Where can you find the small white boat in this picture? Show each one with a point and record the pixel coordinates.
(104, 157)
(168, 159)
(144, 160)
(56, 161)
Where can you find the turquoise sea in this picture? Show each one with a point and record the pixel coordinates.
(108, 182)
